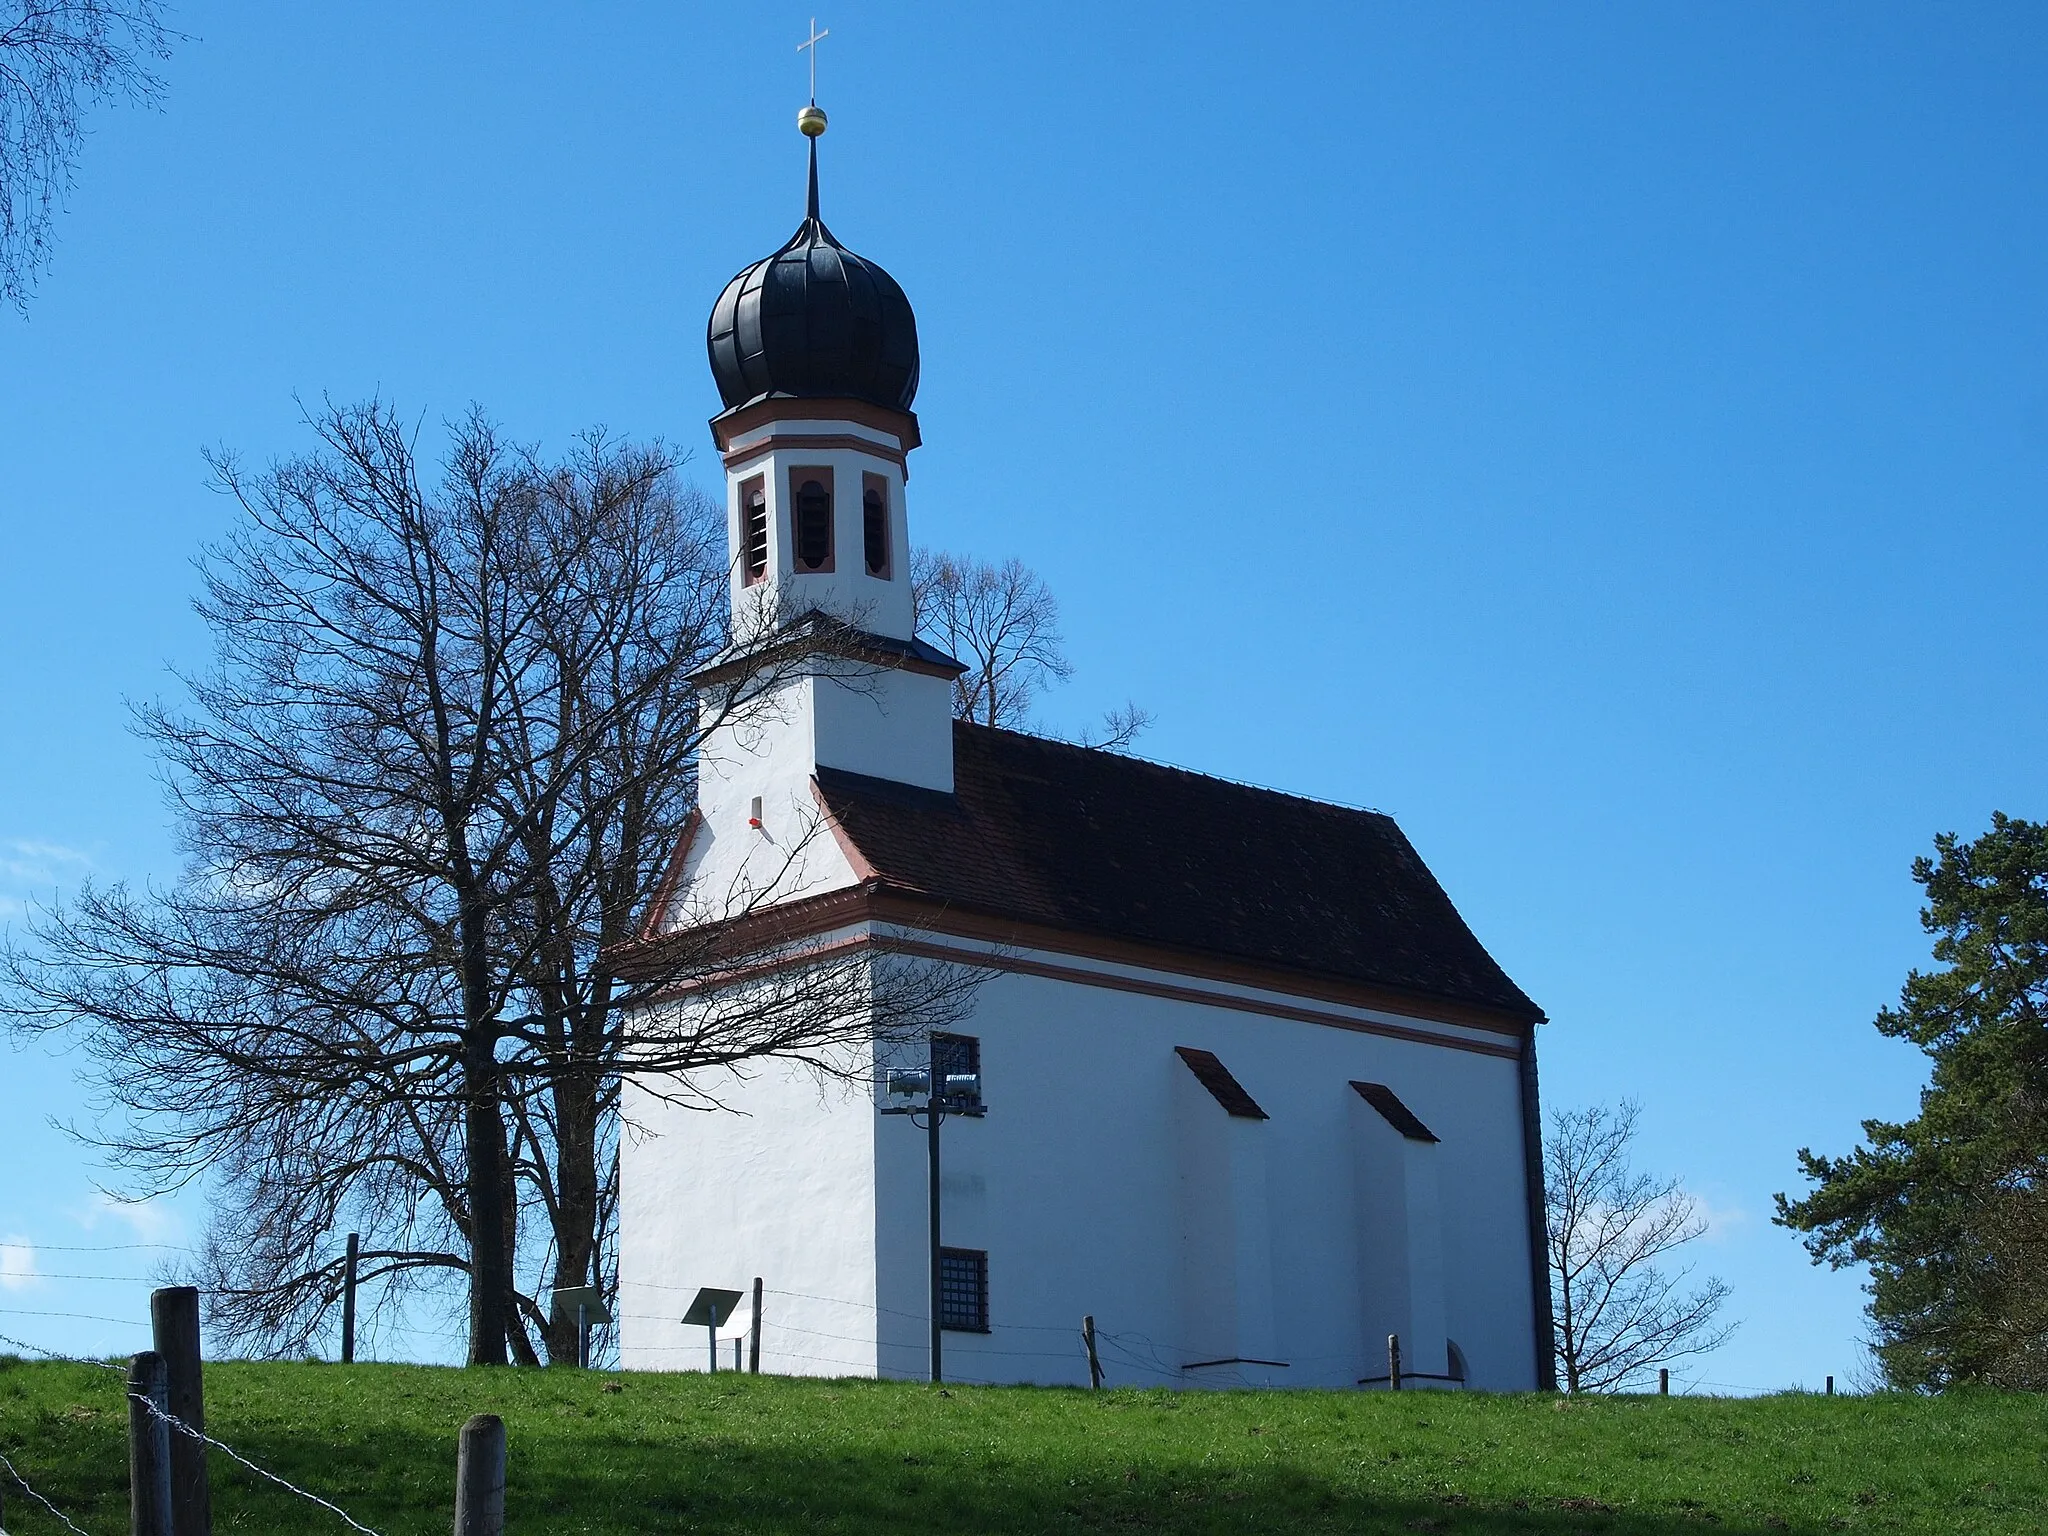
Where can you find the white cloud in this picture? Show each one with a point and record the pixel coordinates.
(31, 868)
(18, 1269)
(149, 1221)
(1724, 1222)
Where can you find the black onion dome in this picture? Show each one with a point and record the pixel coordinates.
(814, 321)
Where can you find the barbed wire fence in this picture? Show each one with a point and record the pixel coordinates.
(1139, 1358)
(173, 1424)
(55, 1513)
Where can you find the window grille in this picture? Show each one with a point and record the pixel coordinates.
(956, 1056)
(963, 1290)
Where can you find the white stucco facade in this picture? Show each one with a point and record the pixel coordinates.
(1106, 1180)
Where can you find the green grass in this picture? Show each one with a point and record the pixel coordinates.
(762, 1454)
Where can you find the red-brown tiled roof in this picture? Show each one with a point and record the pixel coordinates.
(1069, 837)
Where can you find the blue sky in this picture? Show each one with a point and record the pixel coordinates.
(1610, 439)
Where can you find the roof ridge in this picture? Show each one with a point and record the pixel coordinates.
(1175, 768)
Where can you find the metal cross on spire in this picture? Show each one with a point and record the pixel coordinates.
(812, 43)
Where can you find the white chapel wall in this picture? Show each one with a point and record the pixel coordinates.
(779, 1181)
(1072, 1185)
(887, 723)
(1077, 1186)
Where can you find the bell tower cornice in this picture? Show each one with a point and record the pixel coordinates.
(742, 430)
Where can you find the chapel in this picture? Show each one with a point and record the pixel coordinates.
(1234, 1080)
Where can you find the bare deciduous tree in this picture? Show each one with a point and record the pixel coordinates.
(1615, 1312)
(1119, 728)
(426, 794)
(58, 57)
(1004, 623)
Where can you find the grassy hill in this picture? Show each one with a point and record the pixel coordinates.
(596, 1452)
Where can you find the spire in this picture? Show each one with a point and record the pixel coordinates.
(810, 122)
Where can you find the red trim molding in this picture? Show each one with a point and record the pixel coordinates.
(1265, 1008)
(727, 425)
(862, 869)
(734, 457)
(665, 892)
(871, 901)
(783, 925)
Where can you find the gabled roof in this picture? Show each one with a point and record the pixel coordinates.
(1058, 836)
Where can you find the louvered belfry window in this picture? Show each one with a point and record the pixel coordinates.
(754, 530)
(874, 510)
(963, 1289)
(813, 520)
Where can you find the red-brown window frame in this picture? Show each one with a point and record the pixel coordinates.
(756, 485)
(878, 485)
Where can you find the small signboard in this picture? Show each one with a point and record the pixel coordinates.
(563, 1303)
(711, 1308)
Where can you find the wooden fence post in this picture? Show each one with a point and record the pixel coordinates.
(174, 1322)
(1393, 1362)
(480, 1477)
(348, 1300)
(754, 1341)
(149, 1447)
(1094, 1360)
(1663, 1381)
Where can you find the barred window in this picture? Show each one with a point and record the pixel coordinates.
(956, 1056)
(963, 1289)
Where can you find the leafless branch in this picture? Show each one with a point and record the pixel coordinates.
(1002, 621)
(58, 58)
(427, 793)
(1616, 1314)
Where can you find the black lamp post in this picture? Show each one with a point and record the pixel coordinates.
(943, 1094)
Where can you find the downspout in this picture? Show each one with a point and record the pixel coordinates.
(1539, 1223)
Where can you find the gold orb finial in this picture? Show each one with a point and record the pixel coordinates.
(810, 122)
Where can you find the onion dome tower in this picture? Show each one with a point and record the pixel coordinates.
(814, 322)
(814, 351)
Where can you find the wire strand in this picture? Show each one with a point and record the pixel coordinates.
(234, 1455)
(98, 1247)
(62, 1518)
(82, 1317)
(174, 1422)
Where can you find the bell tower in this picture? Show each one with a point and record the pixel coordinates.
(814, 350)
